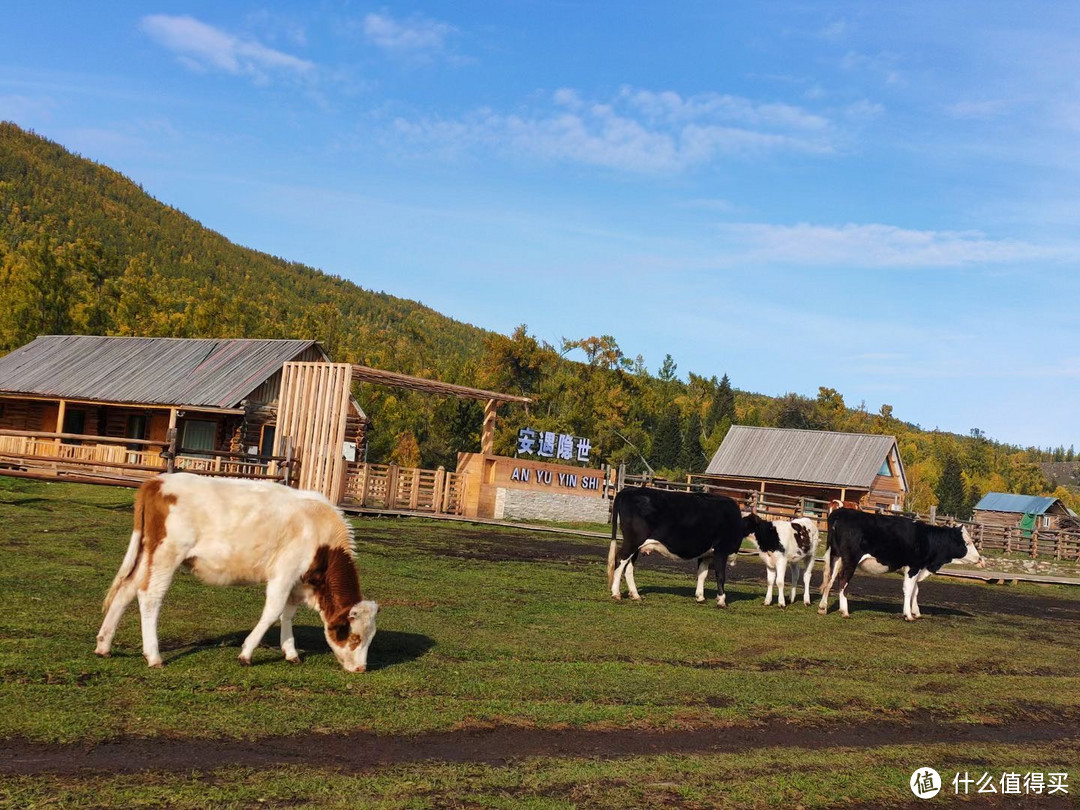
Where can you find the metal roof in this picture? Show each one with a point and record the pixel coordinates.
(809, 456)
(1010, 502)
(158, 371)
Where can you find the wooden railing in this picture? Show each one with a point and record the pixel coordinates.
(766, 504)
(124, 461)
(387, 486)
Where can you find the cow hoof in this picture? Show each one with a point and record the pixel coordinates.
(721, 603)
(635, 597)
(103, 653)
(295, 660)
(155, 664)
(909, 618)
(617, 597)
(822, 611)
(244, 660)
(845, 615)
(699, 599)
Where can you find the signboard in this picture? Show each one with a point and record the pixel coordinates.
(547, 444)
(555, 480)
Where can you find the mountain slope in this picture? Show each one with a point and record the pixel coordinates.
(85, 249)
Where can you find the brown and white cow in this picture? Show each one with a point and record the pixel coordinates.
(231, 531)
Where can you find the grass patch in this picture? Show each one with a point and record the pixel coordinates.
(486, 625)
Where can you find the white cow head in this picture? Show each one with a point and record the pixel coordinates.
(972, 554)
(350, 635)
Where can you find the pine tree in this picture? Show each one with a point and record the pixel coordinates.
(950, 489)
(722, 406)
(691, 457)
(667, 443)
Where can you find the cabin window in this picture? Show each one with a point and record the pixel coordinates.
(198, 435)
(266, 441)
(1046, 521)
(136, 429)
(74, 422)
(885, 469)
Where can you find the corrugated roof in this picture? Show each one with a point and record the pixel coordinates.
(811, 456)
(1010, 502)
(159, 371)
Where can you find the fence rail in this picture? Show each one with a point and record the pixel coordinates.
(1036, 543)
(387, 486)
(71, 455)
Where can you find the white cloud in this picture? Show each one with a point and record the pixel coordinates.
(637, 130)
(877, 246)
(415, 36)
(203, 47)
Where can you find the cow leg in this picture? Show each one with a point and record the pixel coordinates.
(827, 580)
(288, 642)
(150, 600)
(119, 604)
(909, 596)
(807, 576)
(702, 573)
(846, 573)
(795, 571)
(277, 597)
(631, 585)
(770, 577)
(781, 578)
(720, 561)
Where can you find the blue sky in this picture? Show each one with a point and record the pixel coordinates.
(880, 198)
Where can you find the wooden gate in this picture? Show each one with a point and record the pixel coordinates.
(312, 410)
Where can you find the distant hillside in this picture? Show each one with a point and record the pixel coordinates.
(84, 249)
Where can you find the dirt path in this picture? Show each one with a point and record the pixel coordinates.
(358, 752)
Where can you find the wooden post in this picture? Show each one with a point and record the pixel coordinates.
(60, 413)
(438, 496)
(391, 486)
(170, 459)
(487, 437)
(1035, 543)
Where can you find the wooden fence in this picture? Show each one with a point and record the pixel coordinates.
(108, 459)
(387, 486)
(1036, 543)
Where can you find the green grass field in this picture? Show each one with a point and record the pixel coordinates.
(493, 628)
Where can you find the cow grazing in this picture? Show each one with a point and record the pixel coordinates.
(880, 543)
(781, 544)
(233, 532)
(678, 525)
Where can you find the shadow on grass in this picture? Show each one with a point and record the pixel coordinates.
(388, 648)
(710, 593)
(894, 608)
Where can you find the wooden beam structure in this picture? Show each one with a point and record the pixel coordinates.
(313, 407)
(377, 376)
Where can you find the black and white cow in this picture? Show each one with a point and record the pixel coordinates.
(782, 543)
(880, 543)
(678, 525)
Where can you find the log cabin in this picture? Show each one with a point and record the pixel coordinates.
(818, 465)
(221, 396)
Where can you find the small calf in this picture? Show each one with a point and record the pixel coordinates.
(782, 543)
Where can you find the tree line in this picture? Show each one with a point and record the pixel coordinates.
(83, 250)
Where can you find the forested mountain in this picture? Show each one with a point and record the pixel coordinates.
(85, 250)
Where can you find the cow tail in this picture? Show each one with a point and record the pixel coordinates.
(131, 557)
(611, 549)
(825, 571)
